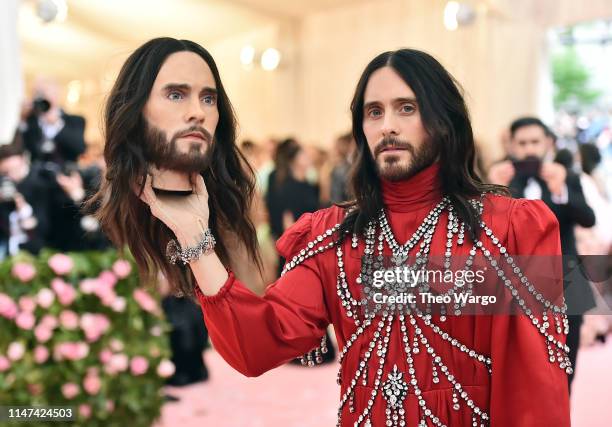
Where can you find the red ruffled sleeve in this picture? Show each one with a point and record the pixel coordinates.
(255, 334)
(526, 388)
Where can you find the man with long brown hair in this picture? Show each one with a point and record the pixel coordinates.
(169, 120)
(416, 196)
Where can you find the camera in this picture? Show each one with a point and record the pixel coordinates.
(7, 192)
(40, 105)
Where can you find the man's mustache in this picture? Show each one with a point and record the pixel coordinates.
(392, 142)
(192, 129)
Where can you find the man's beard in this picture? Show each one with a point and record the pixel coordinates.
(393, 170)
(165, 154)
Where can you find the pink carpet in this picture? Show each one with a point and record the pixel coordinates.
(292, 396)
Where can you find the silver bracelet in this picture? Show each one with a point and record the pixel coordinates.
(175, 253)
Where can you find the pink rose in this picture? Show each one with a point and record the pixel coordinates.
(116, 345)
(71, 351)
(119, 362)
(92, 384)
(61, 264)
(165, 368)
(41, 354)
(139, 365)
(70, 390)
(119, 304)
(27, 303)
(144, 300)
(105, 356)
(45, 297)
(43, 333)
(23, 271)
(94, 325)
(85, 410)
(8, 308)
(15, 351)
(105, 292)
(108, 277)
(69, 319)
(25, 320)
(88, 286)
(35, 389)
(5, 364)
(122, 268)
(110, 405)
(65, 292)
(49, 320)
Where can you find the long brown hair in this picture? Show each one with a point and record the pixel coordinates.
(446, 119)
(229, 178)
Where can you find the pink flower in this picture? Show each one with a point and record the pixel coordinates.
(61, 264)
(8, 308)
(92, 384)
(119, 362)
(165, 368)
(110, 405)
(116, 345)
(85, 410)
(65, 292)
(94, 325)
(43, 333)
(35, 389)
(5, 364)
(139, 365)
(41, 354)
(70, 390)
(69, 319)
(122, 268)
(71, 351)
(105, 356)
(25, 320)
(27, 303)
(45, 297)
(108, 277)
(119, 304)
(23, 271)
(49, 320)
(144, 300)
(88, 286)
(15, 351)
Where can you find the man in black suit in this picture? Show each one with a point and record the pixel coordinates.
(24, 219)
(531, 173)
(49, 133)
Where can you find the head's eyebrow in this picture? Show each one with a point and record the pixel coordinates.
(176, 86)
(400, 100)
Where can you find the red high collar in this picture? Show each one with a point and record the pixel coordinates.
(420, 191)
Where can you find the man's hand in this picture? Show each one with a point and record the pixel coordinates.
(501, 173)
(186, 216)
(72, 185)
(554, 175)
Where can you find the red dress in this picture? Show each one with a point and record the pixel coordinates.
(520, 386)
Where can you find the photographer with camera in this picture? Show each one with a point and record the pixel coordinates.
(23, 203)
(49, 134)
(531, 173)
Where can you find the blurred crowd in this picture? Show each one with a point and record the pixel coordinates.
(42, 186)
(47, 173)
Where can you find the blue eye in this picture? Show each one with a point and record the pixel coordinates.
(209, 99)
(175, 96)
(375, 112)
(407, 108)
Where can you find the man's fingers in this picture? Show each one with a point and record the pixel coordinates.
(148, 195)
(200, 186)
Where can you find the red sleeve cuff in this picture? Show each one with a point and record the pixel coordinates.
(221, 293)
